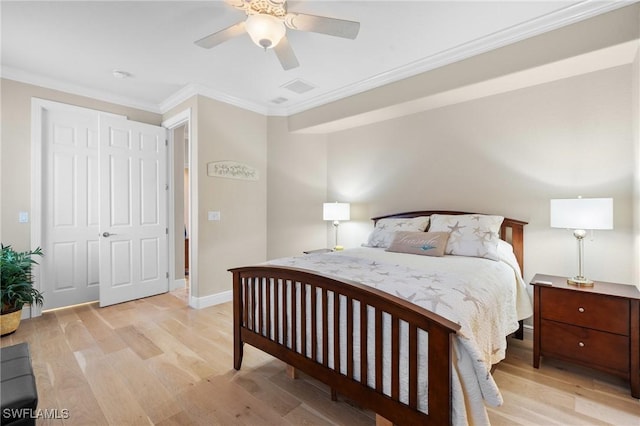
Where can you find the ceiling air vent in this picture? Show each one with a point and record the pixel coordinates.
(298, 86)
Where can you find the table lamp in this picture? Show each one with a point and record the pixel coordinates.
(336, 212)
(580, 215)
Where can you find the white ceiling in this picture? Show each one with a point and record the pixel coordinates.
(74, 46)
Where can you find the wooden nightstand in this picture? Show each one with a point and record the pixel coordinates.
(597, 327)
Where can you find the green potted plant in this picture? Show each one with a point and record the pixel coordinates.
(16, 287)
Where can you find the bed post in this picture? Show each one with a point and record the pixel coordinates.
(237, 320)
(517, 241)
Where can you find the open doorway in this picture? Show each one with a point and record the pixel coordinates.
(182, 228)
(182, 231)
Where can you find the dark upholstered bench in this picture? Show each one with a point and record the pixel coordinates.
(18, 389)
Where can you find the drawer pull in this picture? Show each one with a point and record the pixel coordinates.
(580, 309)
(581, 344)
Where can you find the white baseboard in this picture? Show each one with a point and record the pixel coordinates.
(26, 312)
(177, 284)
(211, 300)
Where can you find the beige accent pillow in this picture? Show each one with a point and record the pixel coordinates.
(423, 243)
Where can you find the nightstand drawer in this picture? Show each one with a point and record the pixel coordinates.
(587, 310)
(591, 347)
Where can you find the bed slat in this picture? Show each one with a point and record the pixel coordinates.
(314, 322)
(294, 317)
(336, 332)
(378, 352)
(413, 366)
(364, 350)
(325, 329)
(349, 337)
(395, 357)
(303, 319)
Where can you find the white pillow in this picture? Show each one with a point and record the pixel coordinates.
(385, 229)
(474, 235)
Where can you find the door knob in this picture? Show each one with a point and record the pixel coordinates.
(106, 234)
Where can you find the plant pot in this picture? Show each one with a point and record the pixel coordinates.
(9, 322)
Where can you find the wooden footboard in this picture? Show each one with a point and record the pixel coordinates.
(292, 314)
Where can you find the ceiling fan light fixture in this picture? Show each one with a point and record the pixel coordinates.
(265, 30)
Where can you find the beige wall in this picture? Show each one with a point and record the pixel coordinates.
(506, 154)
(178, 196)
(225, 132)
(15, 194)
(297, 179)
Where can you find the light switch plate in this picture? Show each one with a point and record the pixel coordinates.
(213, 216)
(23, 217)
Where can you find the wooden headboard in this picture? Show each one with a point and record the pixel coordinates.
(511, 231)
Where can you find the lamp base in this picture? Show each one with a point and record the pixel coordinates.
(338, 248)
(580, 282)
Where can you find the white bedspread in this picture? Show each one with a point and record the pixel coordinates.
(487, 298)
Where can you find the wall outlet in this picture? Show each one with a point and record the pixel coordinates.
(23, 217)
(213, 216)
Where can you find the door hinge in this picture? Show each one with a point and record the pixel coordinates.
(167, 275)
(166, 231)
(166, 142)
(166, 187)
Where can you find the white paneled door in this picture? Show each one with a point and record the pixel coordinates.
(70, 199)
(133, 210)
(104, 207)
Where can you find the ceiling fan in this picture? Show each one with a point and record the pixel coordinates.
(267, 22)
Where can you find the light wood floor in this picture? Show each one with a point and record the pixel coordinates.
(156, 361)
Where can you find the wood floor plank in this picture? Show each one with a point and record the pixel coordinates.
(321, 399)
(156, 401)
(303, 415)
(138, 342)
(77, 335)
(233, 404)
(181, 354)
(605, 413)
(260, 387)
(116, 399)
(73, 392)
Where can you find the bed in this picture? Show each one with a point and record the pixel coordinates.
(412, 338)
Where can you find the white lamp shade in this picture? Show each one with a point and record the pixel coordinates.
(265, 30)
(582, 213)
(336, 211)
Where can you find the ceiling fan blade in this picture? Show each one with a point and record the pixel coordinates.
(221, 36)
(285, 54)
(322, 24)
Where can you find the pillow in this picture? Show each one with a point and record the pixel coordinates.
(474, 235)
(423, 243)
(383, 233)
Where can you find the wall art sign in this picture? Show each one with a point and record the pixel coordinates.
(231, 170)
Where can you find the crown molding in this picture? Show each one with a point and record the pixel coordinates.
(196, 89)
(75, 89)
